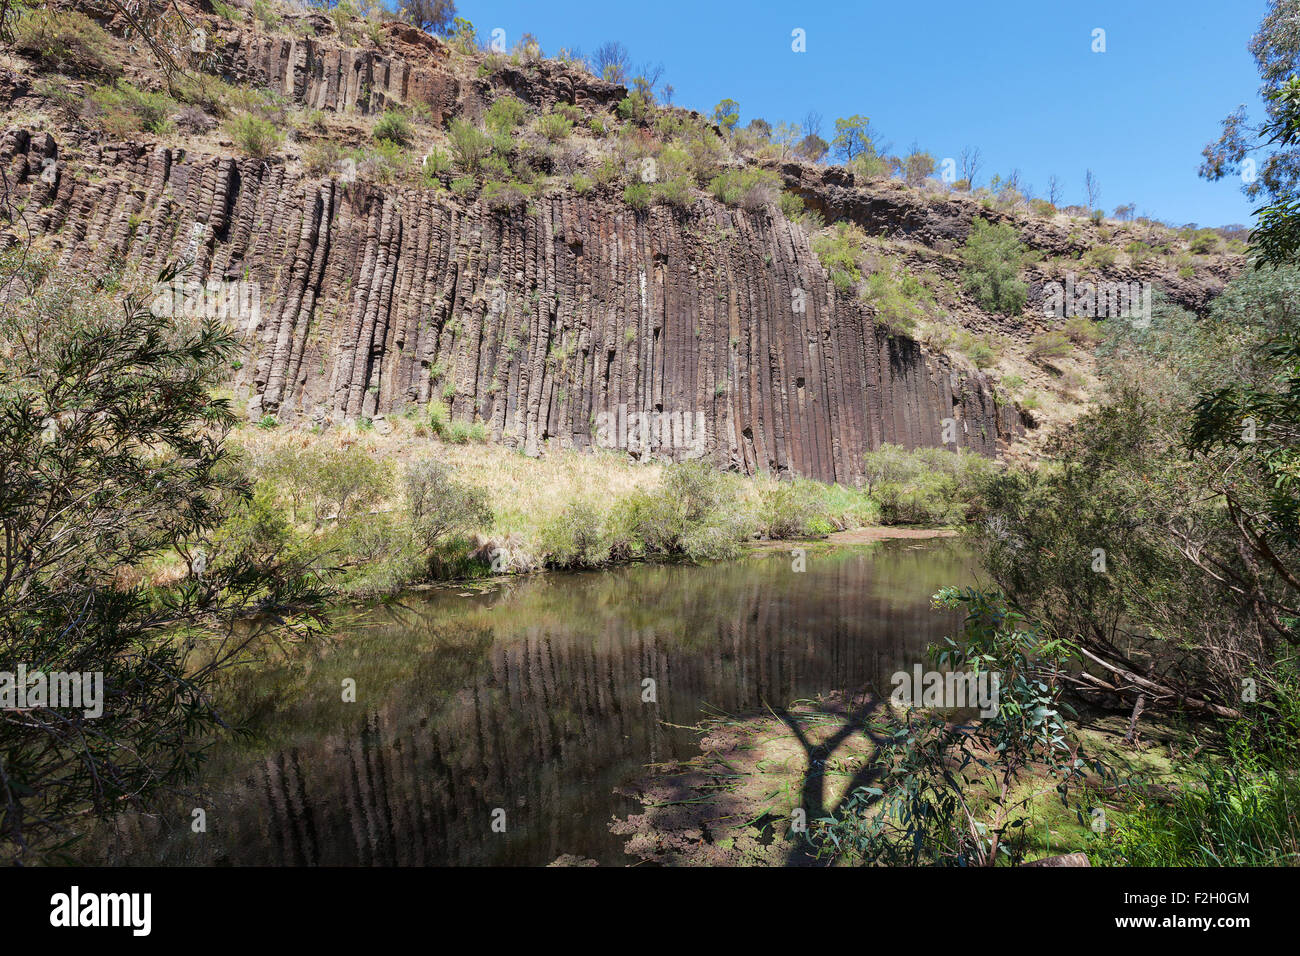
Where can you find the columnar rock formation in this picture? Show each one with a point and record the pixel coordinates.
(322, 76)
(534, 321)
(326, 76)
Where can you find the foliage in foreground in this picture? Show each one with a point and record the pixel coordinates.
(1165, 519)
(958, 793)
(1241, 810)
(112, 453)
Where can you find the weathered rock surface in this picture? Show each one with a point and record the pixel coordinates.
(326, 76)
(943, 221)
(533, 321)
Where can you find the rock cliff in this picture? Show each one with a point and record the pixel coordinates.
(534, 321)
(542, 318)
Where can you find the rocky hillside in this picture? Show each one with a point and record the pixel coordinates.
(541, 277)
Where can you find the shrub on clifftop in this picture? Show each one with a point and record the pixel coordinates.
(994, 257)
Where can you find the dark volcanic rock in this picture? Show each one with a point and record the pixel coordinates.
(534, 321)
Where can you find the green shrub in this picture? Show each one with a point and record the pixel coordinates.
(555, 126)
(469, 145)
(434, 166)
(327, 485)
(124, 108)
(924, 486)
(322, 158)
(792, 207)
(259, 101)
(870, 166)
(638, 196)
(505, 115)
(982, 350)
(342, 14)
(1204, 242)
(842, 509)
(1139, 252)
(462, 433)
(750, 187)
(634, 107)
(994, 257)
(570, 111)
(393, 127)
(705, 152)
(505, 196)
(227, 12)
(257, 137)
(386, 162)
(788, 509)
(64, 40)
(575, 538)
(582, 184)
(1049, 345)
(439, 418)
(678, 191)
(608, 171)
(695, 512)
(838, 251)
(440, 505)
(899, 304)
(212, 93)
(386, 550)
(265, 14)
(1100, 257)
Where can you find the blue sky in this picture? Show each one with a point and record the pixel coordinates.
(1017, 78)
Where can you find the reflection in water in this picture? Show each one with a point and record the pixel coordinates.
(528, 699)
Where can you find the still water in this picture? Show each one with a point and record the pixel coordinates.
(527, 697)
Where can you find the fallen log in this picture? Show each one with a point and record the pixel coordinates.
(1159, 693)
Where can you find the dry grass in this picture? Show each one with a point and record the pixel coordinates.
(524, 492)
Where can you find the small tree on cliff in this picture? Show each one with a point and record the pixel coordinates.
(727, 114)
(853, 137)
(813, 147)
(611, 62)
(431, 16)
(915, 167)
